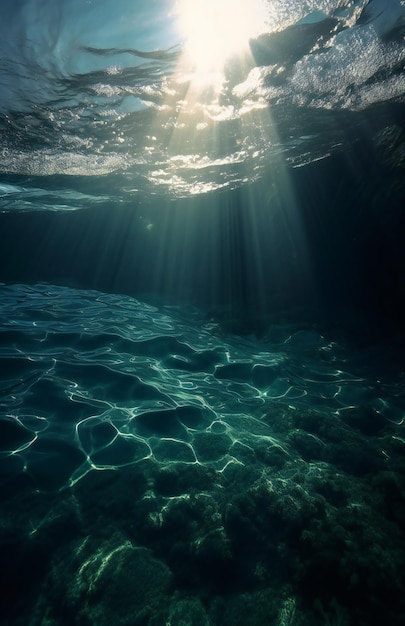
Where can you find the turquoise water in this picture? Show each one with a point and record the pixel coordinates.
(201, 315)
(91, 89)
(156, 468)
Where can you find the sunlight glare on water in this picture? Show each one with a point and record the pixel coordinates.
(215, 31)
(187, 97)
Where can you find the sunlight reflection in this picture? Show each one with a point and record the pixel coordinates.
(215, 31)
(217, 126)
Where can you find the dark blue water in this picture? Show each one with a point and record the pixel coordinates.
(202, 306)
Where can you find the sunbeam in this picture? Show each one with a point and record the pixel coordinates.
(215, 31)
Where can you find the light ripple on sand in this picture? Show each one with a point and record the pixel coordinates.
(155, 384)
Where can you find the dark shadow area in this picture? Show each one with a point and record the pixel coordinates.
(318, 243)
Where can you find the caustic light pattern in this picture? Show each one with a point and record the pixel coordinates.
(154, 468)
(101, 382)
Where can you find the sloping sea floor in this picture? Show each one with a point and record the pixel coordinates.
(158, 470)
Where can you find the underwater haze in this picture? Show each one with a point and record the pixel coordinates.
(202, 305)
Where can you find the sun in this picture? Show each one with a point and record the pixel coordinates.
(215, 30)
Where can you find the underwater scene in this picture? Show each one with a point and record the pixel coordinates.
(202, 312)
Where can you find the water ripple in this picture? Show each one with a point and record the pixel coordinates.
(100, 382)
(79, 99)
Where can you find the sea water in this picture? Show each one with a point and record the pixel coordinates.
(201, 317)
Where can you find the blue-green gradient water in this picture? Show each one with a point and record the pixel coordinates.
(202, 304)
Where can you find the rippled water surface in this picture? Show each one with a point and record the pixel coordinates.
(95, 88)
